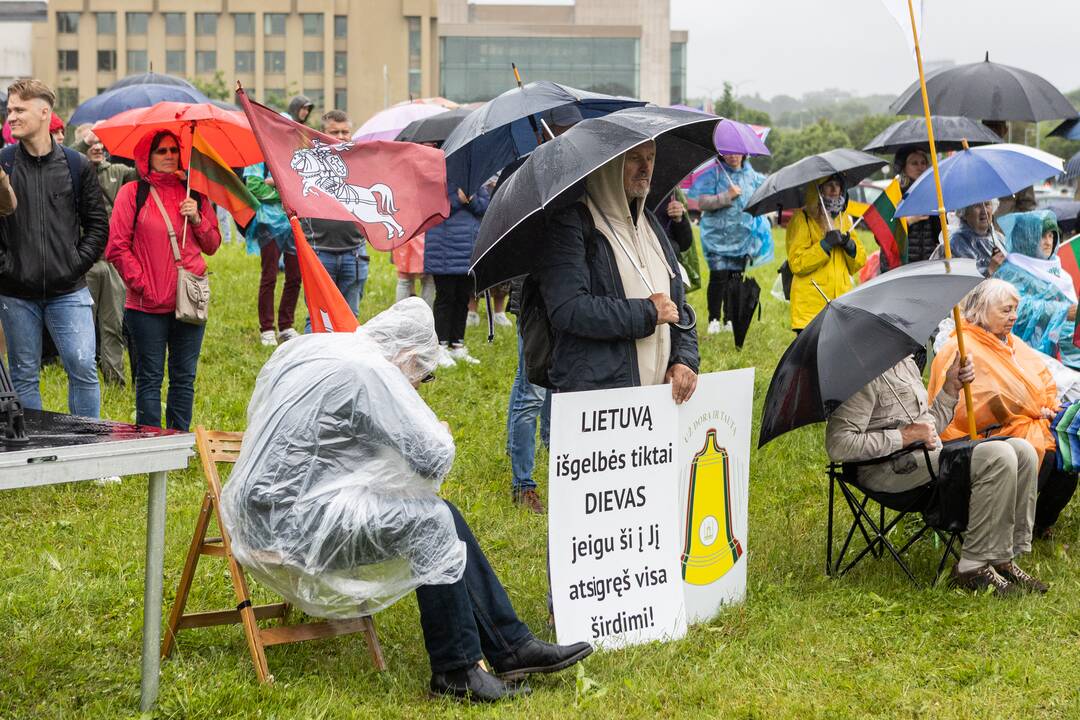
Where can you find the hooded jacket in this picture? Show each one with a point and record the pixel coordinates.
(448, 246)
(45, 247)
(139, 248)
(297, 104)
(811, 263)
(729, 236)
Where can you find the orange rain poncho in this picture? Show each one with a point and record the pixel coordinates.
(1012, 386)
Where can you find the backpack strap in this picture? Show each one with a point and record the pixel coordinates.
(142, 191)
(75, 163)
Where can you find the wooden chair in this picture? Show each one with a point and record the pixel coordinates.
(224, 447)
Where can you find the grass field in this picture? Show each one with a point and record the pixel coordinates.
(869, 645)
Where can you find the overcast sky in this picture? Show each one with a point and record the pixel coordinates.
(774, 47)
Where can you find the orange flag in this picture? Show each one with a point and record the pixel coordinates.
(326, 305)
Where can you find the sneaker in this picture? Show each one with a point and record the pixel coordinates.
(726, 327)
(110, 480)
(530, 500)
(461, 353)
(268, 338)
(472, 319)
(446, 360)
(982, 579)
(501, 320)
(1011, 571)
(714, 327)
(287, 334)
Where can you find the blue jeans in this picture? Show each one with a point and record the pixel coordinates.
(349, 271)
(70, 320)
(527, 401)
(154, 335)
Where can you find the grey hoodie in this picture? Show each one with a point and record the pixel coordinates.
(298, 102)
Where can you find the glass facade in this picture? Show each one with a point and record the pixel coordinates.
(415, 52)
(205, 61)
(274, 23)
(245, 61)
(67, 60)
(274, 61)
(176, 62)
(313, 62)
(206, 23)
(341, 26)
(106, 23)
(136, 24)
(106, 60)
(313, 23)
(341, 63)
(67, 22)
(136, 61)
(678, 73)
(341, 98)
(244, 23)
(478, 68)
(175, 23)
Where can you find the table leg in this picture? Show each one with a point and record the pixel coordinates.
(152, 591)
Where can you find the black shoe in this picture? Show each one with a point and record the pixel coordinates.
(1012, 572)
(474, 685)
(537, 656)
(981, 579)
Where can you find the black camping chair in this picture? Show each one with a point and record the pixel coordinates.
(875, 531)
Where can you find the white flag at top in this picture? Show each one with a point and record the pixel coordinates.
(899, 10)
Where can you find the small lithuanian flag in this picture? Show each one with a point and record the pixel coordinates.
(211, 176)
(889, 230)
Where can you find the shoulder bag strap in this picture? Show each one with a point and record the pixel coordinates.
(168, 225)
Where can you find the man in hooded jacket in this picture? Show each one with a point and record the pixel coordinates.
(299, 109)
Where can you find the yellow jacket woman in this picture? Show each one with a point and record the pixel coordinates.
(821, 250)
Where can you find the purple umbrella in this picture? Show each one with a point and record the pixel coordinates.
(736, 138)
(386, 125)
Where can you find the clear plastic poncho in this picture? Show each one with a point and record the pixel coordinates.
(332, 502)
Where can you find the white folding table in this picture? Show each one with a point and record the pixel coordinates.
(64, 448)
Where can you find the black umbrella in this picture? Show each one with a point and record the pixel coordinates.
(741, 298)
(949, 134)
(787, 186)
(512, 232)
(987, 91)
(433, 129)
(1069, 129)
(502, 130)
(858, 336)
(1067, 213)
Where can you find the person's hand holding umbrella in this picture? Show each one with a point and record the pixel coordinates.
(956, 377)
(675, 210)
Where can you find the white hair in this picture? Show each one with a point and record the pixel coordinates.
(986, 295)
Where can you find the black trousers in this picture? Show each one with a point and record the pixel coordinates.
(718, 284)
(1056, 488)
(452, 293)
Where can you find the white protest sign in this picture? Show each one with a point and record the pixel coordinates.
(612, 517)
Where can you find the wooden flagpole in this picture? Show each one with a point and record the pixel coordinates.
(941, 214)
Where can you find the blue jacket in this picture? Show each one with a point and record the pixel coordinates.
(729, 235)
(448, 246)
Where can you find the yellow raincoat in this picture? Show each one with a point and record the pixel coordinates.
(809, 262)
(1012, 386)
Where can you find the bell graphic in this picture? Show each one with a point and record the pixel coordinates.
(711, 548)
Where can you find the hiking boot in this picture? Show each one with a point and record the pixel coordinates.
(1011, 571)
(268, 338)
(981, 579)
(474, 685)
(530, 500)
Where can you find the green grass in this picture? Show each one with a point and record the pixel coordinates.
(803, 646)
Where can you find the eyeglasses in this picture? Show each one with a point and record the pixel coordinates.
(173, 150)
(430, 377)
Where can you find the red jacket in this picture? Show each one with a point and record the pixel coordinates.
(144, 257)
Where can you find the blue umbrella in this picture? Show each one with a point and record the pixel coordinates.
(115, 101)
(979, 174)
(1072, 167)
(150, 78)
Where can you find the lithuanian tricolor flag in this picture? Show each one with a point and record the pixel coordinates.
(889, 230)
(211, 176)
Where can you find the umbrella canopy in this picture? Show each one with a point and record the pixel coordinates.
(228, 132)
(150, 78)
(858, 336)
(1067, 213)
(979, 174)
(1072, 167)
(1070, 130)
(113, 102)
(949, 134)
(987, 91)
(502, 130)
(386, 124)
(511, 233)
(787, 186)
(433, 129)
(736, 138)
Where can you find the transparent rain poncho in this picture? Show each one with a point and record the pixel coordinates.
(333, 501)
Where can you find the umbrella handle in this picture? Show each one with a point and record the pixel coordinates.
(693, 318)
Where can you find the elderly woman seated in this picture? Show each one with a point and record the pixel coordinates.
(892, 413)
(1014, 392)
(334, 503)
(977, 239)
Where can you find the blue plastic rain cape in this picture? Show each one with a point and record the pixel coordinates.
(270, 222)
(729, 235)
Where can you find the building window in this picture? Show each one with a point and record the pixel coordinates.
(415, 52)
(313, 62)
(176, 62)
(678, 73)
(67, 98)
(205, 61)
(244, 23)
(68, 60)
(341, 98)
(313, 23)
(273, 61)
(274, 23)
(318, 97)
(136, 61)
(106, 60)
(67, 22)
(341, 61)
(341, 26)
(137, 22)
(206, 23)
(106, 23)
(245, 61)
(175, 23)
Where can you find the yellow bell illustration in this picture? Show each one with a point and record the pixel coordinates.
(711, 548)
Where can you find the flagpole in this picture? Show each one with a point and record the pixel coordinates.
(972, 430)
(187, 194)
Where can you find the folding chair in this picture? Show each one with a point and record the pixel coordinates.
(224, 447)
(892, 509)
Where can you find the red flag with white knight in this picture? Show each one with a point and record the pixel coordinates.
(392, 190)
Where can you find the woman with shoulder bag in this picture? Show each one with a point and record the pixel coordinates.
(158, 233)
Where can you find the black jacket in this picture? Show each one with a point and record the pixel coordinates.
(922, 238)
(595, 326)
(45, 247)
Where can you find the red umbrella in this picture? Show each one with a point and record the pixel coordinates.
(227, 131)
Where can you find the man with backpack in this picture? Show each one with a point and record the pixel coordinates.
(47, 245)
